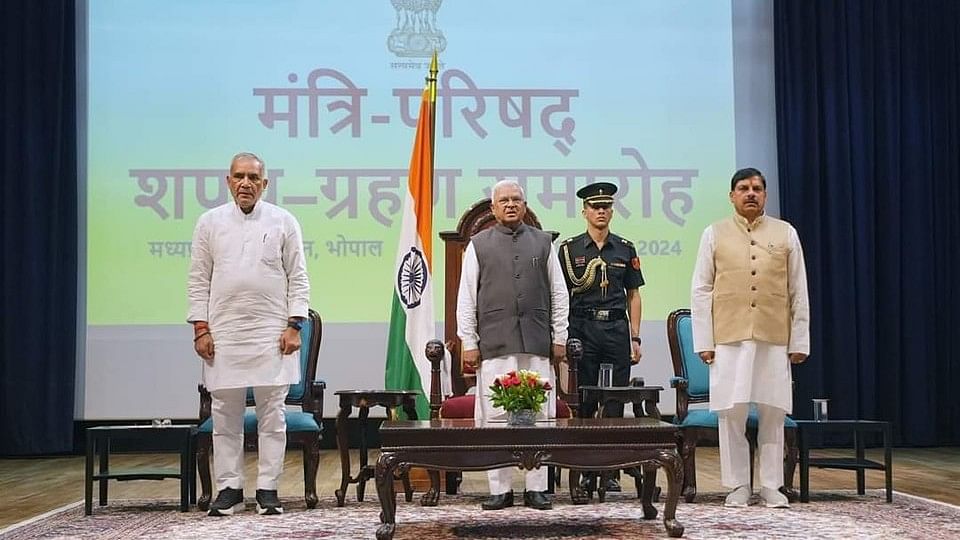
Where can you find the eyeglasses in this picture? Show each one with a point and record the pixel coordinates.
(503, 201)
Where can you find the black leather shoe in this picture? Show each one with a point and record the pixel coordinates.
(537, 500)
(612, 484)
(498, 502)
(588, 483)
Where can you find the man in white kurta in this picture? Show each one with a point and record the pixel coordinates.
(248, 291)
(524, 340)
(750, 322)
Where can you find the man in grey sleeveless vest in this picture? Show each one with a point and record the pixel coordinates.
(512, 310)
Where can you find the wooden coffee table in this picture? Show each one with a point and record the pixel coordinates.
(575, 443)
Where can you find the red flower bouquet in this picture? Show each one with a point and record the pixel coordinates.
(520, 390)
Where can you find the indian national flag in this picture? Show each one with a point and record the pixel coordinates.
(411, 317)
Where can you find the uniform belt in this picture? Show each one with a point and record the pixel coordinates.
(615, 314)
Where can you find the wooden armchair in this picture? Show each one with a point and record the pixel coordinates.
(692, 383)
(304, 426)
(459, 404)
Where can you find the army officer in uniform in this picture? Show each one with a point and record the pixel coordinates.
(602, 272)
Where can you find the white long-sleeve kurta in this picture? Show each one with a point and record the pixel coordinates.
(750, 370)
(247, 276)
(467, 299)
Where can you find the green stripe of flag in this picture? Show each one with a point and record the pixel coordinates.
(402, 372)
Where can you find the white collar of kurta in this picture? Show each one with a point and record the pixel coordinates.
(743, 221)
(253, 213)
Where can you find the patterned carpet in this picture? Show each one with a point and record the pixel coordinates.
(828, 515)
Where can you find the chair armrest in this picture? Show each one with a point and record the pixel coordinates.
(313, 402)
(206, 401)
(572, 396)
(434, 352)
(683, 398)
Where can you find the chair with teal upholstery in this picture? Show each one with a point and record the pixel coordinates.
(304, 418)
(692, 383)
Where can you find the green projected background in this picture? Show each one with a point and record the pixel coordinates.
(555, 94)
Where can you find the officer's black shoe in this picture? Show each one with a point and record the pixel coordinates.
(588, 483)
(268, 504)
(228, 501)
(498, 502)
(612, 484)
(537, 500)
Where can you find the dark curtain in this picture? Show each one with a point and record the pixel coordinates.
(38, 209)
(868, 127)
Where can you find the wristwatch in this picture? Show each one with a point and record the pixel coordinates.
(637, 340)
(296, 324)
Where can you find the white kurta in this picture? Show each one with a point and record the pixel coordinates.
(491, 368)
(247, 276)
(749, 371)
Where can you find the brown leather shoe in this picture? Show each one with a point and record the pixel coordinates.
(498, 502)
(537, 500)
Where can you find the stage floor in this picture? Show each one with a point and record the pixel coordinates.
(32, 486)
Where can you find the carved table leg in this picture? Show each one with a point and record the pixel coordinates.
(637, 476)
(649, 486)
(407, 488)
(386, 466)
(577, 495)
(433, 494)
(409, 406)
(343, 444)
(673, 467)
(364, 474)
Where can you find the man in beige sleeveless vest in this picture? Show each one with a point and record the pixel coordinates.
(512, 310)
(750, 322)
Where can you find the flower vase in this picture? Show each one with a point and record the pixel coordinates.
(523, 417)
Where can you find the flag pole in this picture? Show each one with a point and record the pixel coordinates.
(432, 89)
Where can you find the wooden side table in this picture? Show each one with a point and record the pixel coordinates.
(180, 437)
(858, 463)
(644, 400)
(363, 400)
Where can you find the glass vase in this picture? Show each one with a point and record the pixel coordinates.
(523, 417)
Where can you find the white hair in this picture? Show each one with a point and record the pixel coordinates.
(504, 183)
(250, 155)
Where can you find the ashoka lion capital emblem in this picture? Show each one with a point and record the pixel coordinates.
(416, 33)
(412, 278)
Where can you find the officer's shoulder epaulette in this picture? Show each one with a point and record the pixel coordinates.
(627, 242)
(568, 240)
